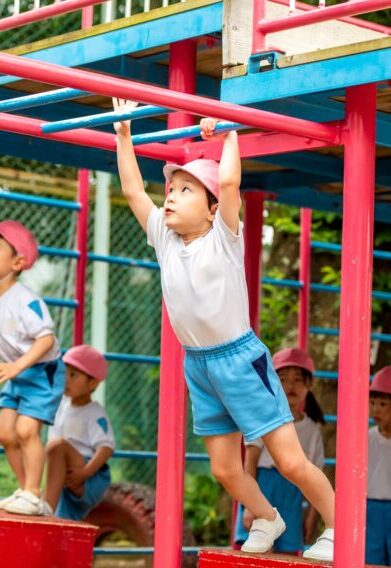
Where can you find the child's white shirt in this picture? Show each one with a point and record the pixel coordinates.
(86, 427)
(204, 285)
(379, 465)
(24, 317)
(310, 438)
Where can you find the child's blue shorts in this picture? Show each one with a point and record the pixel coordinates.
(72, 507)
(234, 387)
(378, 533)
(37, 391)
(287, 498)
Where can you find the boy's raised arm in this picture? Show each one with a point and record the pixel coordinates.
(131, 181)
(230, 172)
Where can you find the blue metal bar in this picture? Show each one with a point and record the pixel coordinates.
(52, 251)
(39, 99)
(124, 261)
(283, 282)
(333, 331)
(179, 133)
(61, 303)
(146, 550)
(131, 358)
(326, 375)
(329, 461)
(338, 248)
(35, 200)
(130, 454)
(104, 118)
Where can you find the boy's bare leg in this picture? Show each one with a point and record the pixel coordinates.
(9, 439)
(28, 431)
(61, 457)
(284, 447)
(227, 467)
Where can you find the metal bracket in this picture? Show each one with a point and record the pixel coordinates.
(265, 61)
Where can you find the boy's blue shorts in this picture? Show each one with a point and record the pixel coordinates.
(72, 507)
(37, 391)
(378, 533)
(234, 387)
(287, 498)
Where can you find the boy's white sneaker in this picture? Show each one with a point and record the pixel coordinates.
(263, 533)
(7, 500)
(323, 549)
(25, 503)
(46, 509)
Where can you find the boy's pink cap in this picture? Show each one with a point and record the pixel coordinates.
(382, 381)
(21, 239)
(87, 359)
(293, 357)
(206, 171)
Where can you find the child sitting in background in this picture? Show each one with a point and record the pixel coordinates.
(295, 369)
(81, 440)
(378, 533)
(31, 367)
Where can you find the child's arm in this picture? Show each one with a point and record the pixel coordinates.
(77, 475)
(230, 172)
(37, 350)
(250, 467)
(129, 172)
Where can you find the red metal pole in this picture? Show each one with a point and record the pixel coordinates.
(83, 190)
(172, 394)
(304, 277)
(87, 17)
(44, 13)
(259, 13)
(315, 16)
(355, 326)
(143, 92)
(86, 137)
(253, 224)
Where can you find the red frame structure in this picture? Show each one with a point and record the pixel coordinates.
(357, 134)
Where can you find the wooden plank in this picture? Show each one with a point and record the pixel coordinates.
(237, 32)
(334, 52)
(100, 29)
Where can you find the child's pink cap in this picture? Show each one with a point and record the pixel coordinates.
(293, 357)
(21, 239)
(87, 359)
(206, 171)
(382, 381)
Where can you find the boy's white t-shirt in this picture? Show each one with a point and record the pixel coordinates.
(204, 285)
(310, 438)
(86, 427)
(379, 465)
(24, 317)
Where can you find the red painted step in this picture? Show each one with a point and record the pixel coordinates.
(45, 542)
(238, 559)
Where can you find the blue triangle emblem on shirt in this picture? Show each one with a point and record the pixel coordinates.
(36, 307)
(103, 424)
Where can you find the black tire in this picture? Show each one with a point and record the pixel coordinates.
(129, 508)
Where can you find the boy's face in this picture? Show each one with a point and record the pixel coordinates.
(380, 410)
(294, 384)
(186, 206)
(9, 259)
(79, 386)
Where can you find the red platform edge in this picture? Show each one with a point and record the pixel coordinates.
(230, 558)
(45, 542)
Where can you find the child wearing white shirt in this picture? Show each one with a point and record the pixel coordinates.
(80, 441)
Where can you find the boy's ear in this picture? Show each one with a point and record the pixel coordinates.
(18, 263)
(213, 209)
(93, 383)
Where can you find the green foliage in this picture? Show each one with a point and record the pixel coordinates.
(204, 510)
(8, 482)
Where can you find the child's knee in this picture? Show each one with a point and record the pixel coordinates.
(8, 438)
(293, 468)
(225, 475)
(26, 431)
(57, 446)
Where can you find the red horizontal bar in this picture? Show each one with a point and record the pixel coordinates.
(89, 138)
(142, 92)
(255, 144)
(352, 8)
(45, 12)
(359, 22)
